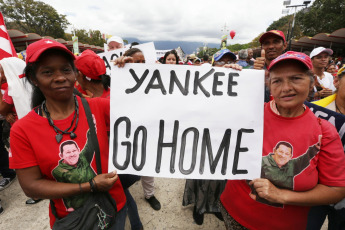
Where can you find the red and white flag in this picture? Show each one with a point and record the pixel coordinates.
(6, 46)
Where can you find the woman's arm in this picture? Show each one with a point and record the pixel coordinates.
(319, 195)
(34, 185)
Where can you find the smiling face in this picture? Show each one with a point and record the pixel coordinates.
(282, 155)
(273, 46)
(70, 154)
(290, 86)
(55, 77)
(320, 60)
(171, 59)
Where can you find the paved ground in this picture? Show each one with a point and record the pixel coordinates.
(173, 215)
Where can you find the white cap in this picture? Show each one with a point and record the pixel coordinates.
(115, 39)
(319, 50)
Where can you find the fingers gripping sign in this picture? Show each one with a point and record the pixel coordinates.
(265, 189)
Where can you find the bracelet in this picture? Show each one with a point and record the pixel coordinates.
(81, 191)
(92, 186)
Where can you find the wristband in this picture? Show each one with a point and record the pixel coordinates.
(92, 186)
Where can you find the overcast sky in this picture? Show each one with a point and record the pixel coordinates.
(174, 20)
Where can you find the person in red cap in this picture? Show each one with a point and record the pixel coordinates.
(280, 199)
(58, 116)
(273, 44)
(92, 75)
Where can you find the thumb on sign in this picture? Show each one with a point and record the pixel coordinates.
(263, 54)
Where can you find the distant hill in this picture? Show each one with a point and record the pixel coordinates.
(187, 47)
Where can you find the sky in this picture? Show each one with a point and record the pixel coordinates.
(173, 20)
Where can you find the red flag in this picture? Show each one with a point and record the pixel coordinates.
(6, 46)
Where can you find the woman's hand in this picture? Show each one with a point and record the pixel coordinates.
(11, 118)
(265, 189)
(325, 92)
(105, 181)
(233, 66)
(121, 61)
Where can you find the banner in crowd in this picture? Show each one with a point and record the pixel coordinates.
(75, 44)
(180, 121)
(6, 47)
(148, 50)
(336, 119)
(161, 53)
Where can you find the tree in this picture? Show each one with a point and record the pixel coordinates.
(92, 37)
(324, 16)
(34, 17)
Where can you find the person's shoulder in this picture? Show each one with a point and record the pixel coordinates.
(329, 75)
(27, 120)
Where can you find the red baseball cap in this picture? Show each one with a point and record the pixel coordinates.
(34, 50)
(292, 55)
(90, 64)
(272, 32)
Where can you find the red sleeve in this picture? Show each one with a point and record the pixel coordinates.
(331, 165)
(21, 154)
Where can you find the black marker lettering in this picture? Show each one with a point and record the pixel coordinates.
(124, 143)
(238, 149)
(138, 81)
(156, 75)
(194, 151)
(173, 78)
(143, 148)
(162, 145)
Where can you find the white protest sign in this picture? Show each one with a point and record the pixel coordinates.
(182, 121)
(161, 53)
(148, 50)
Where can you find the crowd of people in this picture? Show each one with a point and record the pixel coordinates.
(303, 163)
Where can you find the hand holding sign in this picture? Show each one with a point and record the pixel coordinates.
(259, 62)
(121, 61)
(233, 66)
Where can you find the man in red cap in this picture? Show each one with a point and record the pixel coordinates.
(273, 44)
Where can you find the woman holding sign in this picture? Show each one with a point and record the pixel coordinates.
(52, 147)
(335, 213)
(303, 162)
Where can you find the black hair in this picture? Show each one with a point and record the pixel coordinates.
(31, 68)
(105, 80)
(205, 58)
(132, 51)
(168, 53)
(69, 142)
(285, 143)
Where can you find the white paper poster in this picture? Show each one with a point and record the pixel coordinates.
(148, 50)
(182, 121)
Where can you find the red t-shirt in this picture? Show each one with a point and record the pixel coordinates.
(326, 167)
(33, 143)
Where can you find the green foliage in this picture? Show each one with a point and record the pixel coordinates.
(324, 16)
(237, 47)
(91, 37)
(33, 17)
